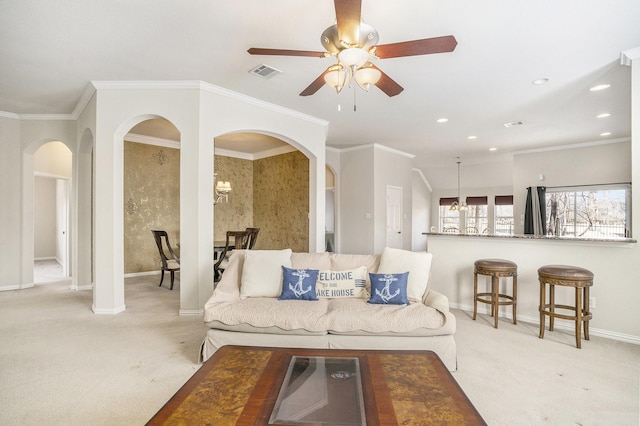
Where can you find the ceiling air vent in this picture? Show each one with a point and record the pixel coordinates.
(513, 124)
(264, 71)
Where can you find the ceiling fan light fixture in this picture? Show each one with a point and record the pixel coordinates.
(353, 57)
(336, 77)
(367, 75)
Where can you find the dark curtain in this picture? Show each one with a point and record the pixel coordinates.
(535, 214)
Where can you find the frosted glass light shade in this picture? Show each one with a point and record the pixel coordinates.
(353, 57)
(366, 76)
(336, 77)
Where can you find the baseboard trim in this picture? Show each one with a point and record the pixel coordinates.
(562, 325)
(191, 312)
(17, 287)
(81, 287)
(141, 274)
(103, 311)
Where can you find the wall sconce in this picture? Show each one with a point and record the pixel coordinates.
(222, 190)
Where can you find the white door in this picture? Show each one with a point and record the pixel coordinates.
(394, 216)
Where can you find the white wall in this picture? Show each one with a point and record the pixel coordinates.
(391, 168)
(356, 229)
(44, 218)
(420, 211)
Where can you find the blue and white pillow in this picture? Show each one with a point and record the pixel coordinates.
(298, 284)
(389, 289)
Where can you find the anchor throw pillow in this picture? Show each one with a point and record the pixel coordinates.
(389, 289)
(298, 284)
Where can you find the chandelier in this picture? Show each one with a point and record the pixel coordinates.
(222, 190)
(458, 204)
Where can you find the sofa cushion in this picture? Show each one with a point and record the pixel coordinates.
(356, 315)
(266, 312)
(418, 264)
(311, 260)
(389, 289)
(346, 283)
(298, 284)
(262, 272)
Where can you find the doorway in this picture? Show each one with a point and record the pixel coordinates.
(52, 173)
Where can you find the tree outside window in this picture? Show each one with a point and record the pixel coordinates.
(589, 212)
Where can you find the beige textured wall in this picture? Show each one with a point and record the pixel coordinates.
(151, 201)
(281, 201)
(237, 214)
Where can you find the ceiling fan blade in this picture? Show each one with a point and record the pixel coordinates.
(348, 20)
(315, 86)
(424, 46)
(387, 84)
(285, 52)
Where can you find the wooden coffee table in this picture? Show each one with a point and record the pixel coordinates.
(239, 385)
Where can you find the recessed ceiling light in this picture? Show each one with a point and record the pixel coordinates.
(442, 120)
(493, 149)
(600, 87)
(472, 137)
(605, 134)
(513, 124)
(540, 81)
(603, 115)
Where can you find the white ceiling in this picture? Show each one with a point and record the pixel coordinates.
(51, 50)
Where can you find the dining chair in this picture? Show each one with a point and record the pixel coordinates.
(169, 263)
(234, 240)
(253, 236)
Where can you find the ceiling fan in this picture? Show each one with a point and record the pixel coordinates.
(354, 44)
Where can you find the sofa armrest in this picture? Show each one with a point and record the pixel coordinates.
(437, 300)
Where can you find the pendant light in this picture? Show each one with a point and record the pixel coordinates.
(458, 204)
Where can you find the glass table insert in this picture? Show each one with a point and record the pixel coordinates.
(320, 390)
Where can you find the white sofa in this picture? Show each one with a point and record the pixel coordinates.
(235, 316)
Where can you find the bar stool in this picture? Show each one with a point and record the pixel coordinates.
(496, 269)
(569, 276)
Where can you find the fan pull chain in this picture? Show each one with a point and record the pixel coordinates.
(354, 99)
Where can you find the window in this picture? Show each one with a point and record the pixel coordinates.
(601, 211)
(476, 219)
(503, 215)
(449, 220)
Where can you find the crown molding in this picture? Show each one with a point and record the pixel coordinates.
(627, 56)
(574, 146)
(151, 140)
(168, 143)
(273, 152)
(424, 178)
(376, 146)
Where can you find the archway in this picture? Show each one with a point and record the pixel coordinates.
(271, 187)
(151, 193)
(48, 167)
(52, 169)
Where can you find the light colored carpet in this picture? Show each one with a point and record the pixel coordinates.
(60, 364)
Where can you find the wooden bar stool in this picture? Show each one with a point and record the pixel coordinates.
(496, 269)
(569, 276)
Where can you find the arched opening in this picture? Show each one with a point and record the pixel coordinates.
(151, 195)
(330, 210)
(270, 189)
(52, 172)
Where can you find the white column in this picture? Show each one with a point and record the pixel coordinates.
(108, 292)
(196, 218)
(631, 58)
